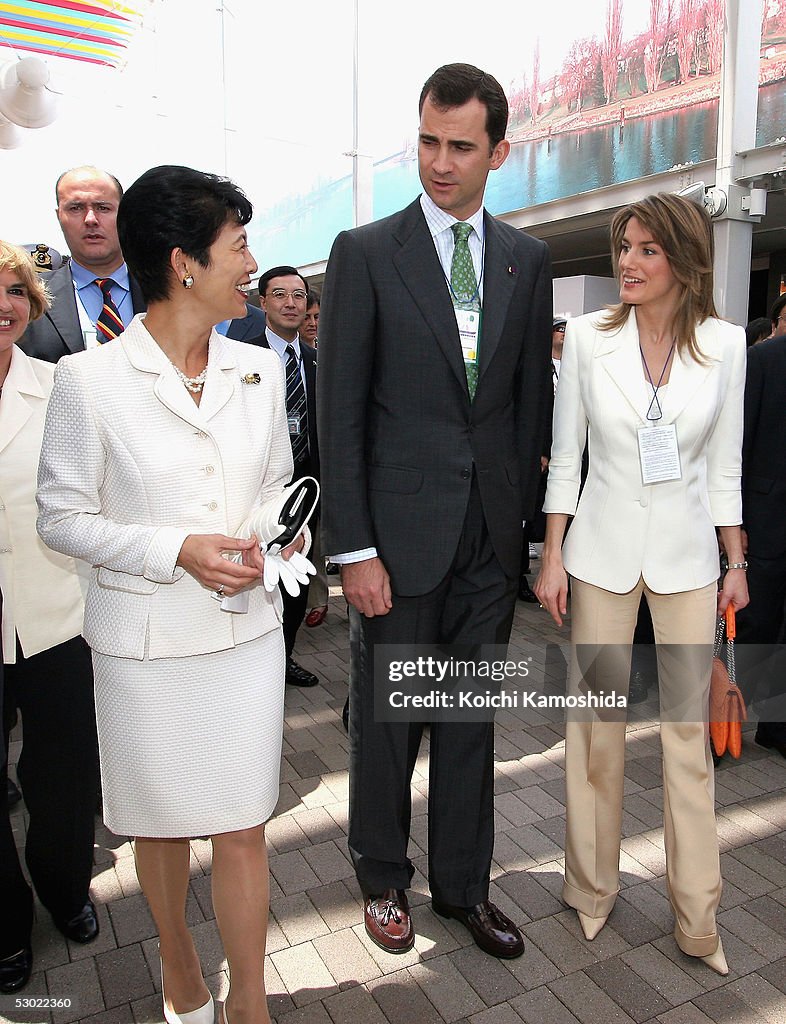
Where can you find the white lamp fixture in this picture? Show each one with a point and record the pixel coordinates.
(25, 99)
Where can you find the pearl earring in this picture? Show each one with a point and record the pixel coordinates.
(188, 281)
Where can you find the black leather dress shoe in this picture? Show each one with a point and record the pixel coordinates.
(492, 930)
(299, 676)
(772, 737)
(82, 927)
(15, 970)
(526, 592)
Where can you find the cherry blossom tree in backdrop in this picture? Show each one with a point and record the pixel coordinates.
(611, 49)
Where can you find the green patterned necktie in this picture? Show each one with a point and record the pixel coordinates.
(464, 286)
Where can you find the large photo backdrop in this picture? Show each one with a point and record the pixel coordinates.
(601, 91)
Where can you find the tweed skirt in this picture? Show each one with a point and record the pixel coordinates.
(191, 746)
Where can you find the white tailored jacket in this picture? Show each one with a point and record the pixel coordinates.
(624, 529)
(42, 596)
(130, 466)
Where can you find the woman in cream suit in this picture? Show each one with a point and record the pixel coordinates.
(48, 674)
(655, 387)
(158, 447)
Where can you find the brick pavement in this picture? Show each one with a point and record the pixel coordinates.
(321, 968)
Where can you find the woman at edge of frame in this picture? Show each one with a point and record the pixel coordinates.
(661, 358)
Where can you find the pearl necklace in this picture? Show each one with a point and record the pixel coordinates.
(194, 384)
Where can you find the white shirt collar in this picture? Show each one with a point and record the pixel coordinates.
(440, 220)
(280, 346)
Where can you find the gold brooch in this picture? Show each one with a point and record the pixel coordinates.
(251, 378)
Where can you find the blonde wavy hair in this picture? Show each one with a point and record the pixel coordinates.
(19, 261)
(684, 231)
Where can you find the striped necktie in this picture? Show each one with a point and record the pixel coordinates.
(297, 412)
(108, 324)
(464, 286)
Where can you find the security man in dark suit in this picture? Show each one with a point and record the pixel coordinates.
(93, 296)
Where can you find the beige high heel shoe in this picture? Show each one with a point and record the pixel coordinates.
(591, 926)
(717, 960)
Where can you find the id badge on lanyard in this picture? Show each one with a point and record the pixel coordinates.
(659, 454)
(468, 322)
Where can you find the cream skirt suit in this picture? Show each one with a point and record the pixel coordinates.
(189, 697)
(628, 538)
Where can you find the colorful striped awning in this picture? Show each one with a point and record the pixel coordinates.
(96, 31)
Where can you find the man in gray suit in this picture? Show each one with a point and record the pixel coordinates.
(434, 383)
(93, 296)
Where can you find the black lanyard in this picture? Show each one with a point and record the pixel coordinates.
(656, 387)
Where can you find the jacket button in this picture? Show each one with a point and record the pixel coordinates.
(466, 474)
(212, 505)
(210, 469)
(201, 433)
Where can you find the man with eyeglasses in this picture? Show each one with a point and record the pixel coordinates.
(283, 294)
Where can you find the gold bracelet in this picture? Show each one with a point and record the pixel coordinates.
(738, 565)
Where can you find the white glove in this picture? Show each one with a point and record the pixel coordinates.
(291, 573)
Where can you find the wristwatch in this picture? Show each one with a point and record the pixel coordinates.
(738, 565)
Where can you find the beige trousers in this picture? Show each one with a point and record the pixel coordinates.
(595, 755)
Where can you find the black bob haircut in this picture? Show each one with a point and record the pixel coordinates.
(171, 207)
(453, 85)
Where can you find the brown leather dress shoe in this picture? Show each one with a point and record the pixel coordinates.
(387, 921)
(492, 930)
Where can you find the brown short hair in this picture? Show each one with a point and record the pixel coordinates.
(684, 231)
(19, 261)
(453, 85)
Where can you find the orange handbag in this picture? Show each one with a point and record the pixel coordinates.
(727, 705)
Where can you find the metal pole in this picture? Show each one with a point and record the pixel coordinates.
(355, 132)
(736, 133)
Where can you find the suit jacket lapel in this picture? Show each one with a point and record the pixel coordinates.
(418, 264)
(21, 390)
(621, 358)
(223, 376)
(499, 281)
(144, 353)
(64, 315)
(687, 376)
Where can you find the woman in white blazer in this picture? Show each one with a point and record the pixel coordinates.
(48, 675)
(158, 447)
(654, 386)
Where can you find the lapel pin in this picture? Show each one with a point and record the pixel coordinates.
(513, 270)
(251, 378)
